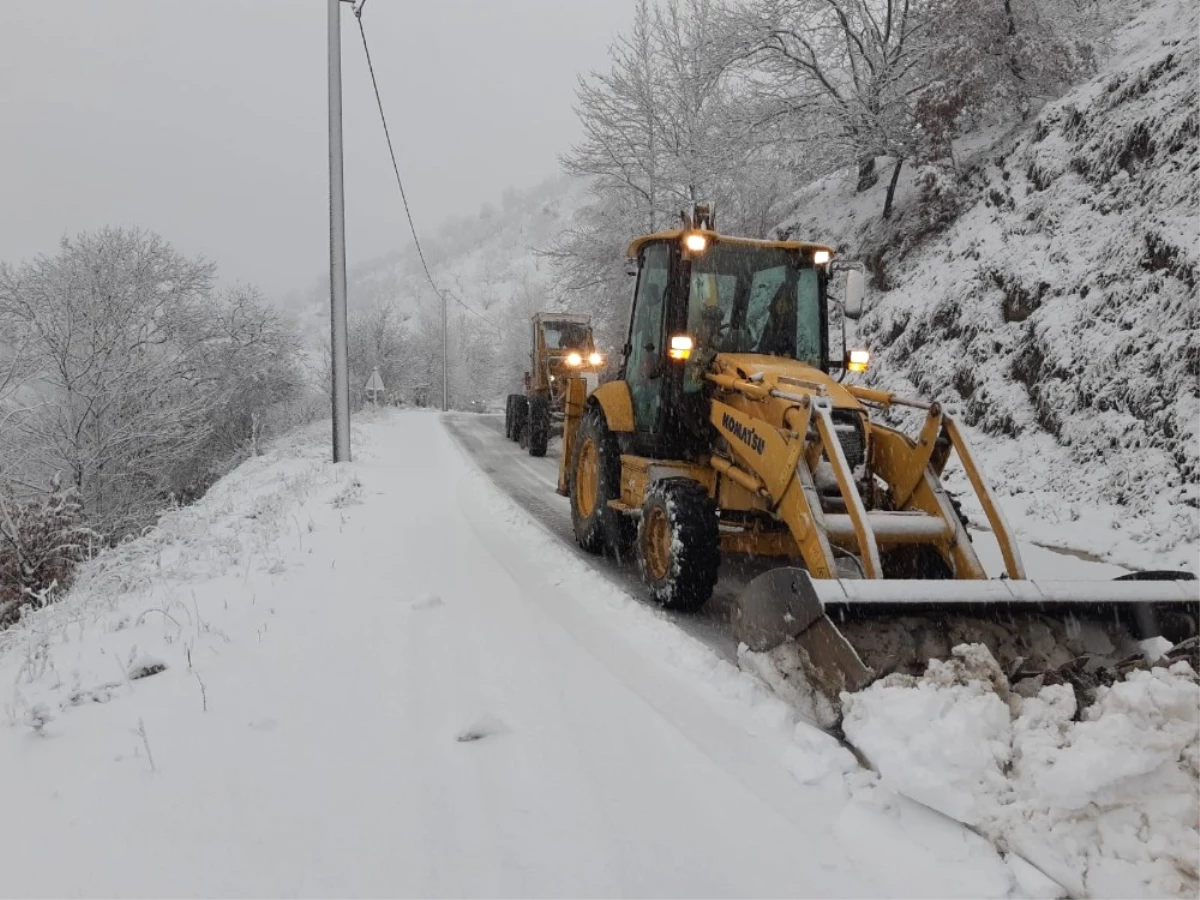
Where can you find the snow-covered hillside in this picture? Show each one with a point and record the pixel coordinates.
(485, 260)
(1060, 306)
(492, 262)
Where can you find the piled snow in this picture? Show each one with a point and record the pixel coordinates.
(1108, 805)
(1061, 305)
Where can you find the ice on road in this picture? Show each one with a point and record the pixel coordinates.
(383, 678)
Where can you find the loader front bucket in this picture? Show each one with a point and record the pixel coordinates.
(787, 604)
(782, 604)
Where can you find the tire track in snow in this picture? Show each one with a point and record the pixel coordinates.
(532, 483)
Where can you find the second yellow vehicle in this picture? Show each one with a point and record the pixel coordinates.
(562, 346)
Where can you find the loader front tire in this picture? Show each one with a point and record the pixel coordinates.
(593, 479)
(679, 543)
(539, 424)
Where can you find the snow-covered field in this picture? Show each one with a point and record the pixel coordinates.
(383, 679)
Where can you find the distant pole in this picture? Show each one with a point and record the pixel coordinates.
(445, 359)
(337, 244)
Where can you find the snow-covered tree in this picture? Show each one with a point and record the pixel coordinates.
(141, 377)
(378, 337)
(113, 323)
(253, 355)
(623, 116)
(664, 129)
(844, 76)
(1001, 55)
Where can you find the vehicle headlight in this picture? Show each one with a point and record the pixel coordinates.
(595, 359)
(574, 359)
(681, 346)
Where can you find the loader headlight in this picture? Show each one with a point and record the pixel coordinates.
(858, 360)
(696, 243)
(574, 359)
(681, 346)
(595, 359)
(821, 257)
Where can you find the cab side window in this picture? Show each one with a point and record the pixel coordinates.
(646, 350)
(808, 318)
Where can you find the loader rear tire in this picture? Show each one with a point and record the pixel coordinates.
(510, 415)
(539, 424)
(593, 479)
(521, 420)
(679, 543)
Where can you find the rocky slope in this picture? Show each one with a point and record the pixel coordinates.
(1059, 305)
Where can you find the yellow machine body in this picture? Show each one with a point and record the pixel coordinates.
(785, 460)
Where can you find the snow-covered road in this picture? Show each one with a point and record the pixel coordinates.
(386, 679)
(531, 483)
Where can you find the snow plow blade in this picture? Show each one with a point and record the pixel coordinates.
(788, 604)
(783, 604)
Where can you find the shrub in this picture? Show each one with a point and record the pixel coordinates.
(41, 542)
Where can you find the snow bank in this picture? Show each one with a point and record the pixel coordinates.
(252, 522)
(1106, 802)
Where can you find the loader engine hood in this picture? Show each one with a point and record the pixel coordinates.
(787, 375)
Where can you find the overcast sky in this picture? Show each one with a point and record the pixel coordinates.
(205, 120)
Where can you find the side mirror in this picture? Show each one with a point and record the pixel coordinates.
(855, 292)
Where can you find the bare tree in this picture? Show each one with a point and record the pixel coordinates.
(664, 128)
(846, 75)
(253, 355)
(622, 115)
(112, 323)
(379, 338)
(139, 370)
(15, 400)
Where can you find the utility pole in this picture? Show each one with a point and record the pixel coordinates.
(337, 245)
(445, 358)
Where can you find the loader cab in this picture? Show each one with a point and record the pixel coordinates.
(562, 345)
(699, 294)
(564, 335)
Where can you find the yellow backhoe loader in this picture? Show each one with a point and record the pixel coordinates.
(731, 431)
(562, 346)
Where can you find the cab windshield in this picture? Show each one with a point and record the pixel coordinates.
(566, 335)
(755, 300)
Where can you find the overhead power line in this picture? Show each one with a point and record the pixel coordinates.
(441, 295)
